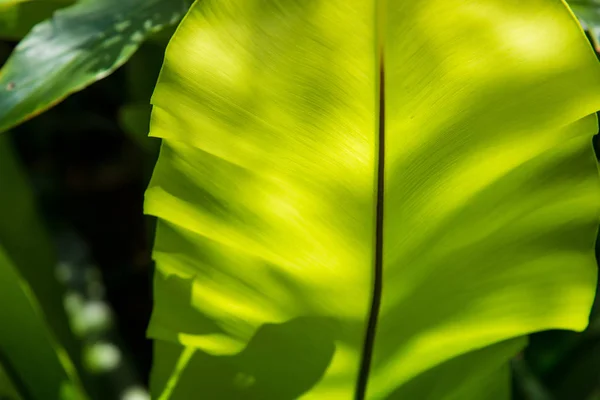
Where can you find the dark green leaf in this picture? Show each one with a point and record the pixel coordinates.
(79, 45)
(27, 343)
(134, 118)
(23, 237)
(7, 387)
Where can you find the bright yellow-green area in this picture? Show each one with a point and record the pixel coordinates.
(265, 192)
(491, 184)
(27, 345)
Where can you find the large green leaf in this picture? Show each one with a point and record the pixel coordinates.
(28, 345)
(328, 164)
(76, 47)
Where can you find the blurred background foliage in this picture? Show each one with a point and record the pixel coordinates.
(74, 243)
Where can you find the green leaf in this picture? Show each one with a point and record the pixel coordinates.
(588, 13)
(141, 71)
(27, 343)
(12, 2)
(17, 19)
(326, 165)
(25, 240)
(134, 119)
(7, 388)
(76, 47)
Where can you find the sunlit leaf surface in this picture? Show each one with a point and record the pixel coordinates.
(79, 45)
(313, 150)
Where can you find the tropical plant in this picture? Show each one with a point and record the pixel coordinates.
(377, 199)
(355, 201)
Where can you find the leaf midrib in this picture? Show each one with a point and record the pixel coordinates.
(367, 353)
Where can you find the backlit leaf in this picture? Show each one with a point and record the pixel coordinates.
(327, 164)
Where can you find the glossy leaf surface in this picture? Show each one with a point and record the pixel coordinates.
(79, 45)
(328, 162)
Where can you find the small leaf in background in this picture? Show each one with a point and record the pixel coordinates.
(25, 240)
(7, 388)
(134, 119)
(27, 344)
(78, 46)
(143, 68)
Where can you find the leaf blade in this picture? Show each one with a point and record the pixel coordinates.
(28, 344)
(79, 45)
(309, 183)
(265, 188)
(494, 231)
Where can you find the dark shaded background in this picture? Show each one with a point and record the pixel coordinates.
(89, 174)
